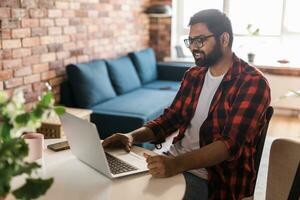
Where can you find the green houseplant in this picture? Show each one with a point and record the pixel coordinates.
(14, 121)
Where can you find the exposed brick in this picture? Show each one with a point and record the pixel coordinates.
(29, 3)
(48, 75)
(37, 13)
(54, 13)
(39, 87)
(23, 52)
(10, 44)
(55, 47)
(82, 58)
(71, 60)
(6, 74)
(62, 55)
(38, 68)
(69, 30)
(46, 3)
(5, 34)
(62, 5)
(14, 82)
(10, 3)
(46, 22)
(56, 81)
(39, 31)
(31, 60)
(5, 12)
(39, 50)
(6, 54)
(69, 13)
(48, 57)
(19, 13)
(62, 22)
(56, 64)
(47, 40)
(31, 42)
(55, 31)
(26, 88)
(10, 23)
(30, 23)
(32, 78)
(23, 71)
(21, 33)
(75, 5)
(10, 64)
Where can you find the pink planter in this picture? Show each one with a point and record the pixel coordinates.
(35, 143)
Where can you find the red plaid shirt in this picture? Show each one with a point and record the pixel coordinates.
(236, 116)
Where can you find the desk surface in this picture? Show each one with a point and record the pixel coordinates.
(75, 180)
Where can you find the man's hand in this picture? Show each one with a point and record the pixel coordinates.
(161, 166)
(119, 140)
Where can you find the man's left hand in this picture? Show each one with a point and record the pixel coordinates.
(161, 166)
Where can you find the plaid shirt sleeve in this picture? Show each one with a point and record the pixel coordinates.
(246, 112)
(172, 118)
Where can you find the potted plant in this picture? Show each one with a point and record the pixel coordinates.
(14, 121)
(251, 32)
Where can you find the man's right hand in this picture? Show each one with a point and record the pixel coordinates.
(119, 140)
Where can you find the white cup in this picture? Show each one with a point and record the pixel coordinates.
(35, 143)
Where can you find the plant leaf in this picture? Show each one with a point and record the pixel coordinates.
(33, 188)
(46, 99)
(27, 168)
(23, 118)
(59, 110)
(5, 131)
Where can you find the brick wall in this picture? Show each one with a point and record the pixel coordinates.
(160, 32)
(38, 38)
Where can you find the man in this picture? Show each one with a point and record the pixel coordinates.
(219, 111)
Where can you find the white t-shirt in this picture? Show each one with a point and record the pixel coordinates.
(191, 140)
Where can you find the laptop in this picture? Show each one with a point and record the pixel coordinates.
(85, 144)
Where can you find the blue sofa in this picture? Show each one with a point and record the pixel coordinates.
(123, 93)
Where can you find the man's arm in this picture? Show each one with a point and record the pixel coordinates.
(209, 155)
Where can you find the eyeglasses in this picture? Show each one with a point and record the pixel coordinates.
(198, 41)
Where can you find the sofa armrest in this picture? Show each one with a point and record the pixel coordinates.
(66, 96)
(172, 71)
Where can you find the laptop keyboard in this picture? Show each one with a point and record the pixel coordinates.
(117, 166)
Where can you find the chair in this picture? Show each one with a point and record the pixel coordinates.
(295, 191)
(262, 138)
(283, 173)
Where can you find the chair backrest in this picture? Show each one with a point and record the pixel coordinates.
(283, 164)
(295, 190)
(262, 138)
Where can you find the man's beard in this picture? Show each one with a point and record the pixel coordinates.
(210, 59)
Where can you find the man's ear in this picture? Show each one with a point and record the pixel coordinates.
(225, 37)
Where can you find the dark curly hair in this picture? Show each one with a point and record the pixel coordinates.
(216, 22)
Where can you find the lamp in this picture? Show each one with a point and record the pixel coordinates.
(159, 9)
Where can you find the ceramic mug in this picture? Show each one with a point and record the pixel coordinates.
(35, 143)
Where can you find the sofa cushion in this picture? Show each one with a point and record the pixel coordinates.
(145, 63)
(143, 103)
(90, 83)
(163, 85)
(123, 75)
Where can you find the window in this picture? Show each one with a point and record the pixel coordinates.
(276, 20)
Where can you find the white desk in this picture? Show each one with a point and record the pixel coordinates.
(75, 180)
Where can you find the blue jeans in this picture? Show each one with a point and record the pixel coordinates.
(196, 187)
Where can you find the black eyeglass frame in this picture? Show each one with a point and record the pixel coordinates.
(198, 39)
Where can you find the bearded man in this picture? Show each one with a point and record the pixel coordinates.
(218, 112)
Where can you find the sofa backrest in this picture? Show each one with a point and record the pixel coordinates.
(123, 75)
(90, 83)
(145, 63)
